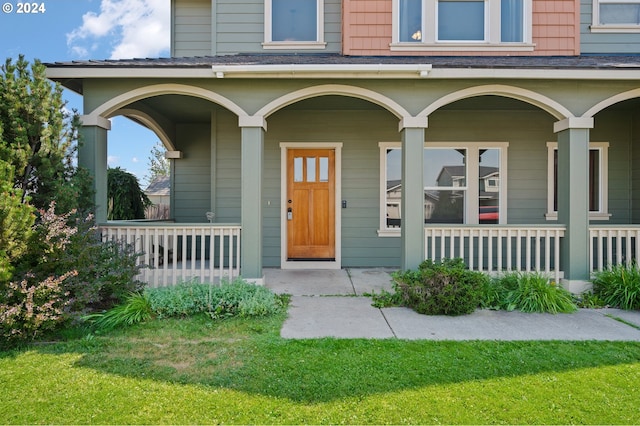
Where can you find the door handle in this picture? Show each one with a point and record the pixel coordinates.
(289, 214)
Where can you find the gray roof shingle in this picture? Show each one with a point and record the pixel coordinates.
(532, 62)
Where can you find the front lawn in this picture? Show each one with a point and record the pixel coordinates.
(197, 370)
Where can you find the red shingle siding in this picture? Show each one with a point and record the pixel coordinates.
(367, 29)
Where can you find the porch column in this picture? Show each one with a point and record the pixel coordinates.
(412, 206)
(92, 155)
(251, 203)
(573, 200)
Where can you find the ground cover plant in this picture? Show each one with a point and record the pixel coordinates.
(619, 286)
(237, 298)
(240, 371)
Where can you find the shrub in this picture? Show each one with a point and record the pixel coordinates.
(619, 286)
(105, 270)
(29, 308)
(446, 288)
(532, 292)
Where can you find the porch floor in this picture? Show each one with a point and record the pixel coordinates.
(330, 303)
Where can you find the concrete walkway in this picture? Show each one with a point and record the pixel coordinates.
(330, 303)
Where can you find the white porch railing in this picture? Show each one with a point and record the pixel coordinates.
(613, 245)
(175, 252)
(495, 248)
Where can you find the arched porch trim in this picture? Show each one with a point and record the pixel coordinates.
(543, 102)
(113, 105)
(150, 123)
(335, 89)
(629, 94)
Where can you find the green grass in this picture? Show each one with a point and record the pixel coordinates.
(195, 370)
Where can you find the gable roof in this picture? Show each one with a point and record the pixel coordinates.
(161, 185)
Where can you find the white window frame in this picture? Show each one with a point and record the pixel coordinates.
(597, 27)
(268, 43)
(603, 210)
(472, 191)
(492, 41)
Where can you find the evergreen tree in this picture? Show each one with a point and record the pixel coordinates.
(40, 138)
(126, 200)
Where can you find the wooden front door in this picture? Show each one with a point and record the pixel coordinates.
(310, 204)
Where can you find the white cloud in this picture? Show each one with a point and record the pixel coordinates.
(112, 160)
(134, 160)
(134, 29)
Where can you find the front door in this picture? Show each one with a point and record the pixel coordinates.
(310, 206)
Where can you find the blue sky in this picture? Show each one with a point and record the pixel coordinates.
(92, 29)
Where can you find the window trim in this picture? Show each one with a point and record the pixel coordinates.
(472, 207)
(597, 27)
(268, 43)
(492, 41)
(603, 212)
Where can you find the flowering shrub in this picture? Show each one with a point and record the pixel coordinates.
(66, 272)
(105, 270)
(28, 308)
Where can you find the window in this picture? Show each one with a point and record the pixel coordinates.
(450, 195)
(462, 25)
(294, 24)
(616, 16)
(598, 180)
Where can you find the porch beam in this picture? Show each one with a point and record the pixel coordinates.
(252, 165)
(573, 205)
(412, 209)
(92, 155)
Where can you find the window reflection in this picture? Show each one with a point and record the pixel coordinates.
(297, 169)
(324, 169)
(311, 169)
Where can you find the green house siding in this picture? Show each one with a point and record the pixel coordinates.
(191, 28)
(227, 167)
(359, 132)
(191, 194)
(590, 42)
(235, 26)
(240, 27)
(616, 127)
(635, 168)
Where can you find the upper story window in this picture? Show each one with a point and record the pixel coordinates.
(462, 25)
(616, 16)
(294, 24)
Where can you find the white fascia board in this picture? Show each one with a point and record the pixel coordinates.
(322, 71)
(370, 71)
(94, 72)
(542, 74)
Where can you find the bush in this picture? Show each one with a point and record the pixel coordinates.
(236, 298)
(446, 288)
(65, 272)
(105, 270)
(530, 292)
(619, 286)
(30, 308)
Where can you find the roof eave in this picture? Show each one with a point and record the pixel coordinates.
(332, 71)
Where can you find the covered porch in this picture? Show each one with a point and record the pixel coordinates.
(527, 198)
